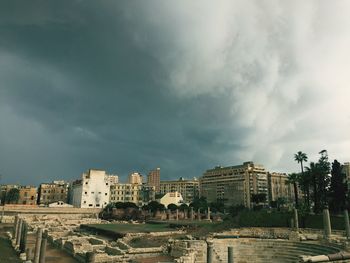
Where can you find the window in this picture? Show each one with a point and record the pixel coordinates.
(99, 192)
(105, 193)
(86, 193)
(86, 182)
(84, 202)
(92, 192)
(90, 204)
(106, 183)
(97, 205)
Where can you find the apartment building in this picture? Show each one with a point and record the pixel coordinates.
(153, 179)
(139, 194)
(234, 185)
(135, 178)
(27, 195)
(189, 189)
(53, 192)
(93, 189)
(279, 187)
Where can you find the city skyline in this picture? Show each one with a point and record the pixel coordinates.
(184, 86)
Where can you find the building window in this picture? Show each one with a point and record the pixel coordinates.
(84, 202)
(86, 193)
(92, 192)
(86, 182)
(90, 204)
(105, 193)
(97, 205)
(106, 183)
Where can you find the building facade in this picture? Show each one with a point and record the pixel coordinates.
(93, 189)
(140, 194)
(279, 187)
(234, 185)
(27, 195)
(189, 189)
(153, 179)
(53, 192)
(135, 178)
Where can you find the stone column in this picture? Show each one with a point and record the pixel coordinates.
(177, 214)
(192, 215)
(29, 253)
(199, 214)
(23, 242)
(167, 214)
(326, 223)
(296, 219)
(90, 257)
(19, 232)
(230, 254)
(43, 247)
(210, 253)
(185, 214)
(347, 226)
(208, 213)
(292, 223)
(15, 230)
(39, 234)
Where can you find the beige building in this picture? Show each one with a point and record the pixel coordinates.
(27, 195)
(189, 189)
(279, 187)
(135, 178)
(153, 179)
(135, 193)
(234, 185)
(53, 192)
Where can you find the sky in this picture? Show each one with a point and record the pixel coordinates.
(129, 86)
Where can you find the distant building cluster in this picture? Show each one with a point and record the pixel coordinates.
(231, 185)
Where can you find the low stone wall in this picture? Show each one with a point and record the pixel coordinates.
(24, 209)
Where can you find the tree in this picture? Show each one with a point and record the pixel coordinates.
(293, 179)
(199, 203)
(183, 207)
(312, 172)
(154, 206)
(172, 207)
(324, 177)
(337, 189)
(301, 157)
(259, 198)
(12, 196)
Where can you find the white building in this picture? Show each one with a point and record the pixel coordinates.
(171, 198)
(93, 190)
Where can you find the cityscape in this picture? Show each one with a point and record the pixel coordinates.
(232, 186)
(174, 131)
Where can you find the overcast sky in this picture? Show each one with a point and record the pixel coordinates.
(182, 85)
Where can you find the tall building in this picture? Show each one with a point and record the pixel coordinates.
(279, 187)
(53, 192)
(346, 170)
(153, 179)
(189, 189)
(93, 189)
(135, 178)
(234, 185)
(139, 194)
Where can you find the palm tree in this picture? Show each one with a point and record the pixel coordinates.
(293, 179)
(313, 173)
(301, 157)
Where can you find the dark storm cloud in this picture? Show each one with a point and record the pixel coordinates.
(128, 86)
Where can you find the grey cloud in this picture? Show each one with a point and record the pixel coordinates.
(128, 86)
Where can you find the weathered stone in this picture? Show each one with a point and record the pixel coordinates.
(39, 234)
(326, 223)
